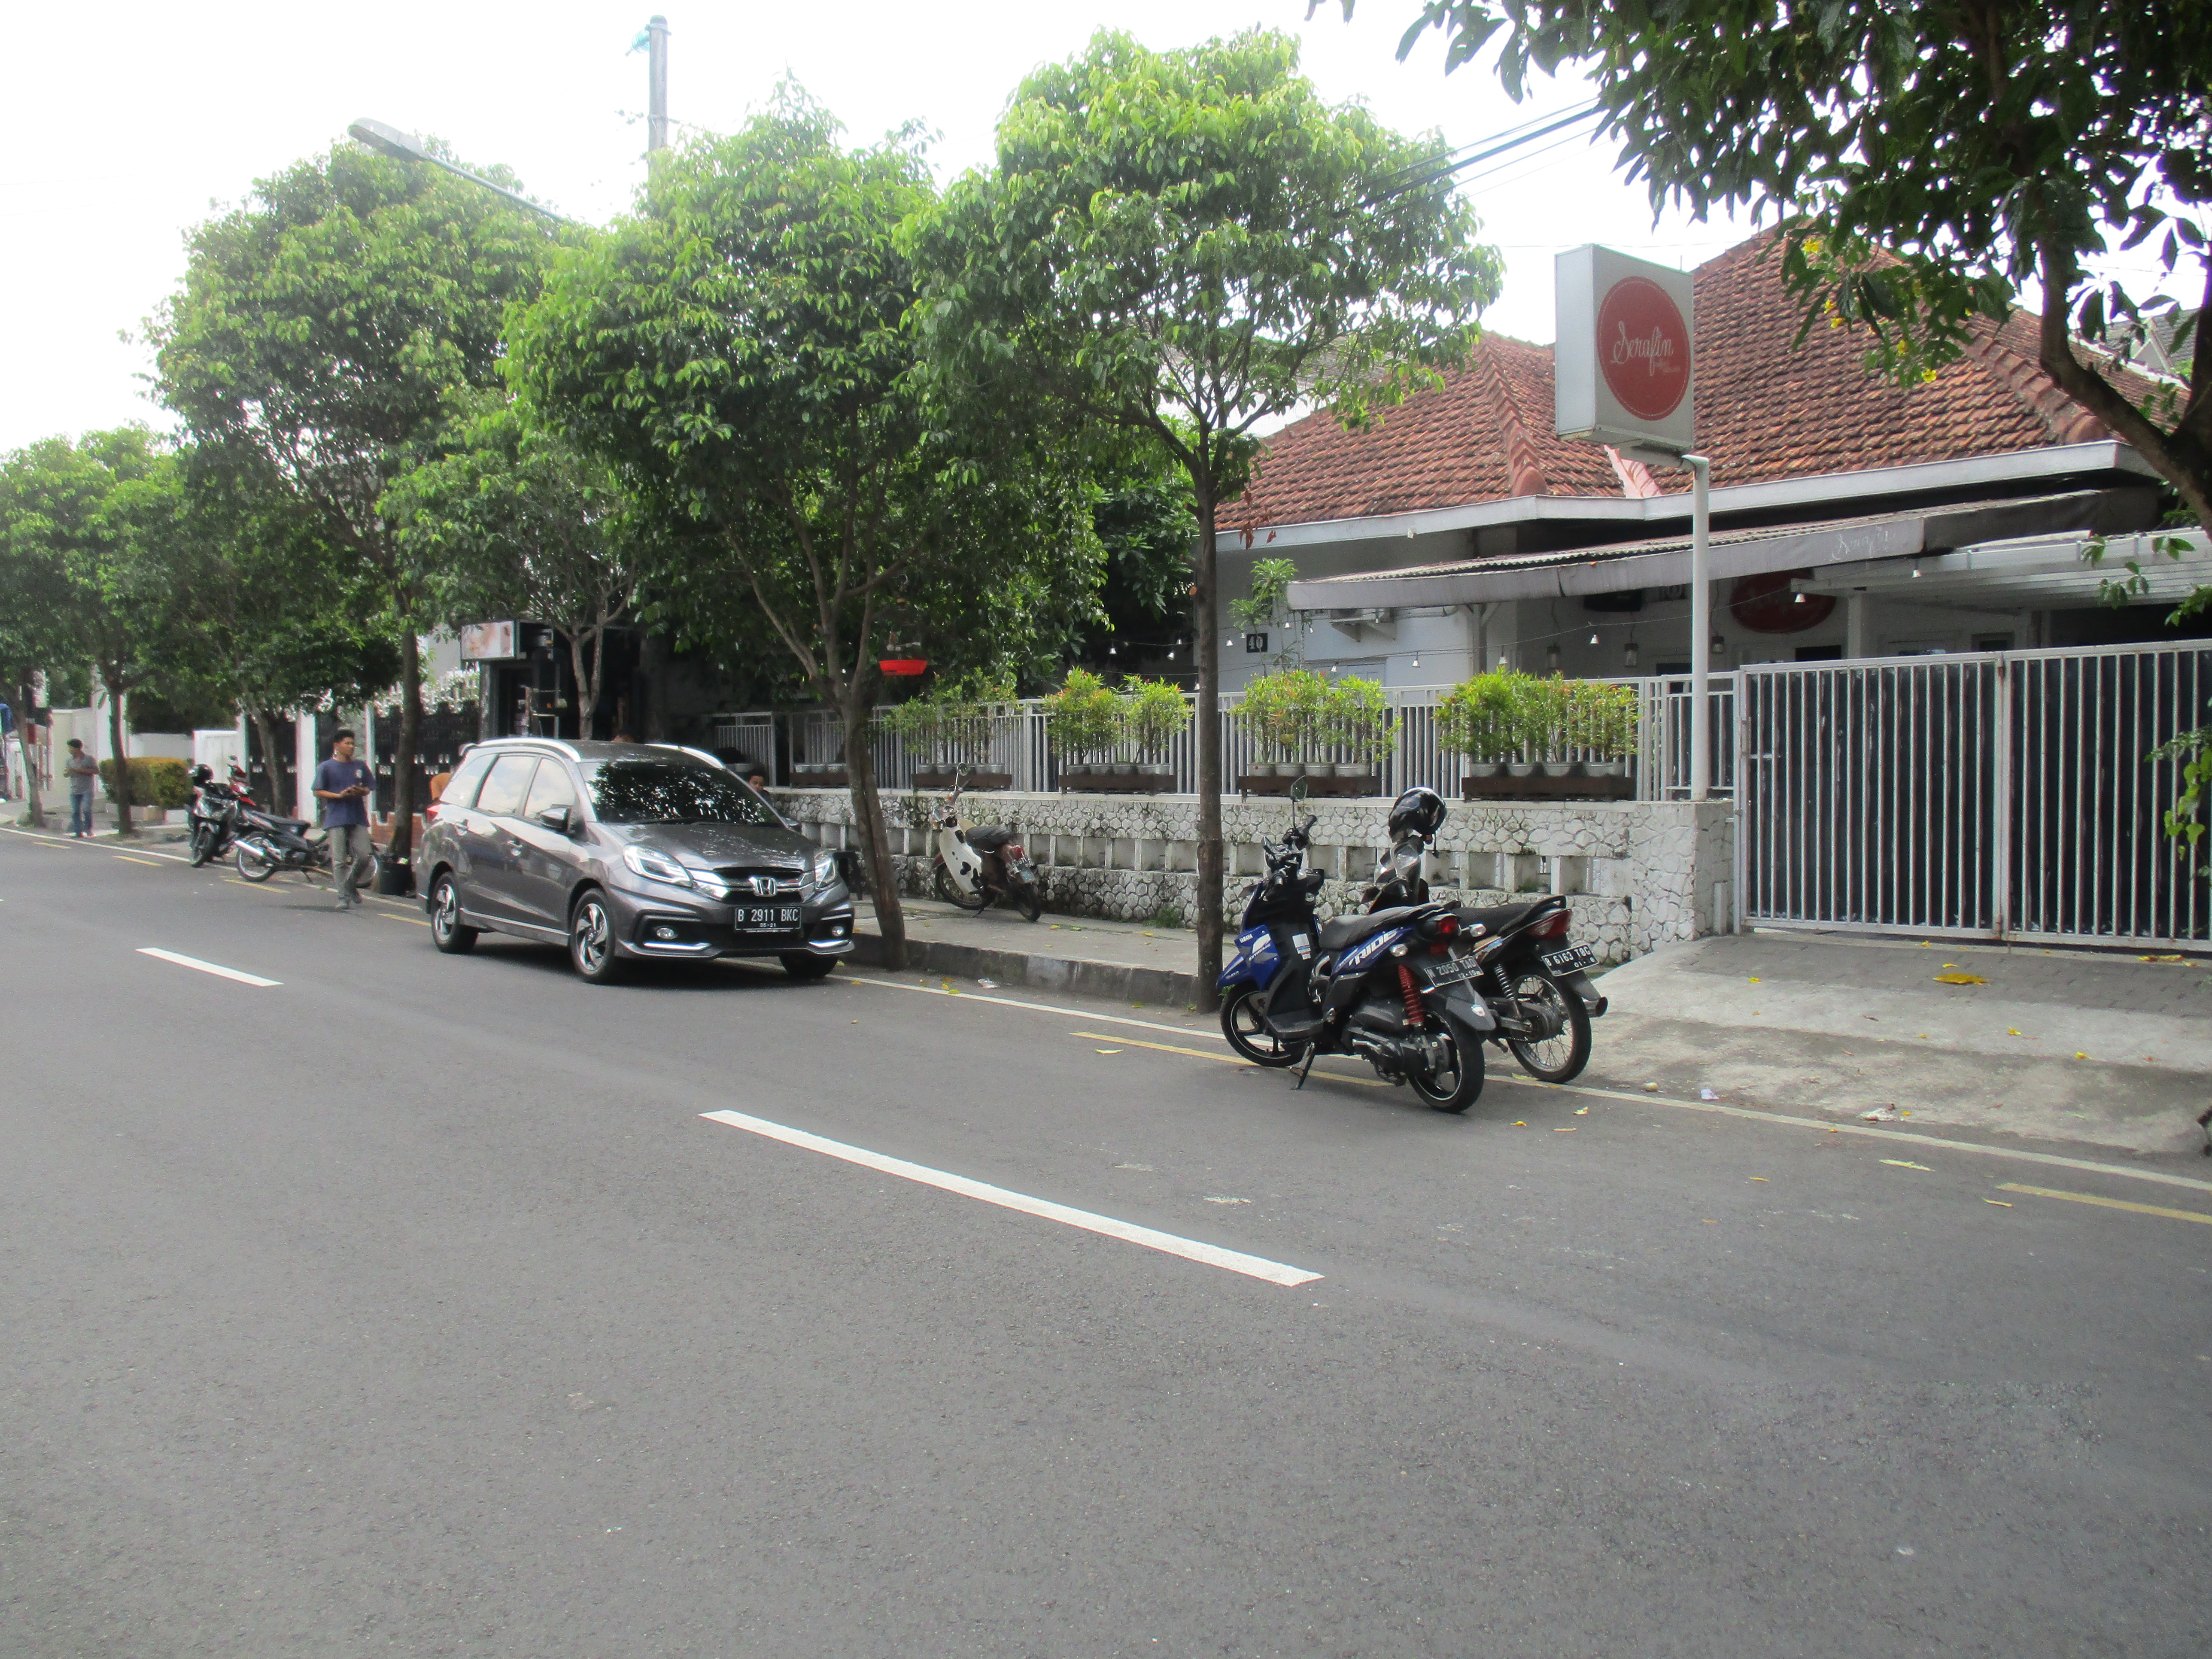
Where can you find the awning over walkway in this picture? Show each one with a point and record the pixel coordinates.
(1665, 561)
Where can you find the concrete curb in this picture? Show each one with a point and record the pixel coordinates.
(1117, 981)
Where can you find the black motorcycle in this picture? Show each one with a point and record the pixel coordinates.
(213, 813)
(264, 843)
(1386, 986)
(1535, 979)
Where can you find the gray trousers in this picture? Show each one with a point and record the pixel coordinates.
(353, 858)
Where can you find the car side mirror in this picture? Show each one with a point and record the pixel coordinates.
(561, 820)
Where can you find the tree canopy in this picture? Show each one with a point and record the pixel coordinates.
(742, 351)
(328, 324)
(1931, 162)
(1186, 244)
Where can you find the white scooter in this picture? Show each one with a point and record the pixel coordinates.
(973, 867)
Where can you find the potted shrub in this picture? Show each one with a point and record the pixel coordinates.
(1261, 713)
(1542, 708)
(1356, 724)
(1155, 714)
(1480, 719)
(1601, 722)
(1083, 721)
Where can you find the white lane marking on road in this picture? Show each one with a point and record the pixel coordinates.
(1254, 1267)
(217, 968)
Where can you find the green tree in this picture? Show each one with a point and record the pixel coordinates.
(283, 623)
(1930, 163)
(742, 351)
(96, 531)
(35, 635)
(516, 521)
(331, 324)
(1187, 244)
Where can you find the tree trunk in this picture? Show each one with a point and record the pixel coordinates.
(1206, 648)
(401, 849)
(875, 837)
(648, 702)
(123, 826)
(26, 702)
(588, 689)
(272, 756)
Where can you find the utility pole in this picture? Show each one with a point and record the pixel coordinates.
(656, 126)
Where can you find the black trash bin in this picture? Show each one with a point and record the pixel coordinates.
(395, 877)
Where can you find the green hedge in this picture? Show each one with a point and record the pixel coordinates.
(154, 782)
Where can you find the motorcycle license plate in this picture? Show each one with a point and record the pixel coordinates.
(1453, 972)
(1574, 959)
(767, 918)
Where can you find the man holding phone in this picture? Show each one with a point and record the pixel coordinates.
(344, 785)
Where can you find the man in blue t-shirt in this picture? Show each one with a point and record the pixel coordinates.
(343, 784)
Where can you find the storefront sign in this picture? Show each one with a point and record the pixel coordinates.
(491, 642)
(1625, 361)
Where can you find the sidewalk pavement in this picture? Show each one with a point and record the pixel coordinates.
(2068, 1045)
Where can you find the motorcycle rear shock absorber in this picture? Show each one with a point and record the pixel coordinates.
(1412, 995)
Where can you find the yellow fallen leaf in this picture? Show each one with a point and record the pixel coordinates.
(1999, 1203)
(1558, 1131)
(2010, 1032)
(1519, 1124)
(1106, 1051)
(2078, 1054)
(1758, 1177)
(1960, 979)
(1581, 1111)
(1902, 1164)
(1755, 979)
(1709, 1222)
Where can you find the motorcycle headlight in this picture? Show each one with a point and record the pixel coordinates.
(825, 867)
(657, 866)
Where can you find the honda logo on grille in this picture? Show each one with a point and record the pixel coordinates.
(762, 886)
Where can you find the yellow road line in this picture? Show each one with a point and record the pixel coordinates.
(2106, 1203)
(413, 922)
(1229, 1060)
(151, 864)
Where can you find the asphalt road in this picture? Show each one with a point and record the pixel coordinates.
(409, 1306)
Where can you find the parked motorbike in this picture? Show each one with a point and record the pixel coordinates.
(264, 843)
(213, 813)
(1533, 978)
(972, 867)
(1387, 987)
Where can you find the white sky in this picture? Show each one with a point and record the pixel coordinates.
(121, 125)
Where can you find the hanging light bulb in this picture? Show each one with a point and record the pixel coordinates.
(1916, 570)
(1417, 662)
(1799, 599)
(1593, 636)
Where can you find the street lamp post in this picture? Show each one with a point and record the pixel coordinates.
(406, 146)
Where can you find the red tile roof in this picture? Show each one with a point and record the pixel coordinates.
(1766, 411)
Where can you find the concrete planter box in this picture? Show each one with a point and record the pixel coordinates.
(1321, 783)
(1538, 788)
(1120, 780)
(942, 777)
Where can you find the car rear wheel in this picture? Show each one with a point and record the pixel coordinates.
(592, 941)
(447, 931)
(802, 967)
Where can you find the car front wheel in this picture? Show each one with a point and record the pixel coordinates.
(803, 966)
(592, 941)
(447, 932)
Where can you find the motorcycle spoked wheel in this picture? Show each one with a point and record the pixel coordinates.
(1027, 900)
(1246, 1029)
(203, 847)
(1456, 1086)
(251, 868)
(949, 891)
(1558, 1058)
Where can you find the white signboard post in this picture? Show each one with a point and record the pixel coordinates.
(1625, 368)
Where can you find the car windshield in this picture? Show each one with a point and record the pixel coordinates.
(671, 792)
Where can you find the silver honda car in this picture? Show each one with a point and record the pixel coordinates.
(625, 852)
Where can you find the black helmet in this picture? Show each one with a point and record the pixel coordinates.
(201, 774)
(1419, 811)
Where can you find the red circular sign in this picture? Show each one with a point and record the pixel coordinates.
(1643, 348)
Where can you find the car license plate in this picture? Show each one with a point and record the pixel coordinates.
(773, 918)
(1573, 959)
(1453, 972)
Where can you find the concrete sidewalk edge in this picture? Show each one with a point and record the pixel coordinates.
(1118, 981)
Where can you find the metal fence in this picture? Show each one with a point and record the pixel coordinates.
(1014, 739)
(2006, 796)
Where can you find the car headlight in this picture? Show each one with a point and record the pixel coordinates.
(657, 866)
(825, 867)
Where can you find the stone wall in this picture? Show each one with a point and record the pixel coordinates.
(1641, 873)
